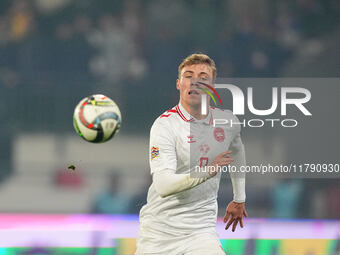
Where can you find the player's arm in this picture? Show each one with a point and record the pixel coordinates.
(163, 164)
(236, 209)
(238, 177)
(168, 183)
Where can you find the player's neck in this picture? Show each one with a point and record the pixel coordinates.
(194, 111)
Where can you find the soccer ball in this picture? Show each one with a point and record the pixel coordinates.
(97, 118)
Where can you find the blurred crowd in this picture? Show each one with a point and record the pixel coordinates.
(53, 53)
(127, 48)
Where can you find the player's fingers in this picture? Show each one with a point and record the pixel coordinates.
(226, 216)
(229, 223)
(245, 213)
(241, 223)
(234, 225)
(227, 161)
(225, 154)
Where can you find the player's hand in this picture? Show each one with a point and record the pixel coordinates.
(235, 211)
(222, 159)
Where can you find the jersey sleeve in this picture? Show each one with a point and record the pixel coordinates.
(238, 153)
(162, 151)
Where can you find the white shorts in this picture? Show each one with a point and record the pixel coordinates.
(195, 244)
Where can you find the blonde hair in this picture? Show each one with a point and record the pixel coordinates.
(197, 58)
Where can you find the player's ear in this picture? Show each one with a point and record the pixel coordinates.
(177, 84)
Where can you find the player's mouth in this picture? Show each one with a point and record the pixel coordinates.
(193, 92)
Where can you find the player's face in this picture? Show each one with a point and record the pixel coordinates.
(190, 92)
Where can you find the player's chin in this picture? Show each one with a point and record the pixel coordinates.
(195, 100)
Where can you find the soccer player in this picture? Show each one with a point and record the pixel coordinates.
(181, 211)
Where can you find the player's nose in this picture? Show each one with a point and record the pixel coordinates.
(194, 83)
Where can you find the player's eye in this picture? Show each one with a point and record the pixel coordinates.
(188, 76)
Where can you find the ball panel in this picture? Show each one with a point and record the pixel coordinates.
(97, 118)
(75, 125)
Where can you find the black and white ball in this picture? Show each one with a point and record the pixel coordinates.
(97, 118)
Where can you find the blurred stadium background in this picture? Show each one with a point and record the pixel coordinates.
(54, 53)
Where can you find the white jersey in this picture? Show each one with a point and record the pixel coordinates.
(179, 142)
